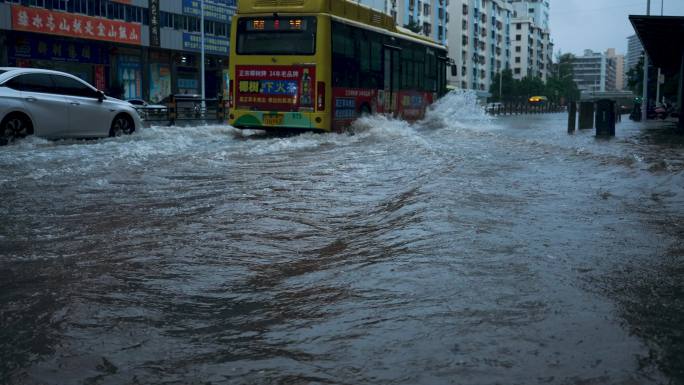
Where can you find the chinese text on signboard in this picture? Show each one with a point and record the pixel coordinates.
(65, 24)
(212, 44)
(216, 10)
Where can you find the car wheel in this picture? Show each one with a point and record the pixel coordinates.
(15, 126)
(122, 125)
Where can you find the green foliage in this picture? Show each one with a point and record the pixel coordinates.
(413, 27)
(635, 82)
(560, 86)
(635, 77)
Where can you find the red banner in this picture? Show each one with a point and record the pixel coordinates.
(66, 24)
(100, 77)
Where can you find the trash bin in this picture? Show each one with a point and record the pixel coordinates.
(605, 117)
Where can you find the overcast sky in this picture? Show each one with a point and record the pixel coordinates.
(577, 25)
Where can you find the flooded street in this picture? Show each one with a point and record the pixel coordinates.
(457, 250)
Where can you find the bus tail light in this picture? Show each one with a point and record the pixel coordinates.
(320, 99)
(230, 93)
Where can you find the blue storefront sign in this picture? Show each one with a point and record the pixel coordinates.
(212, 44)
(217, 10)
(61, 50)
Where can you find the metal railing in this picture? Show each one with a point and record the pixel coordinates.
(181, 111)
(525, 108)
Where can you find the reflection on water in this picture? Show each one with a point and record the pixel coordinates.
(461, 249)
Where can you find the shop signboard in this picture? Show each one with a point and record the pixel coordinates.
(160, 81)
(58, 50)
(212, 44)
(155, 34)
(216, 10)
(66, 24)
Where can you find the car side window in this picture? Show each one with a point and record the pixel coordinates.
(72, 87)
(32, 83)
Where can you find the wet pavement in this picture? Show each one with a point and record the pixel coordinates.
(457, 250)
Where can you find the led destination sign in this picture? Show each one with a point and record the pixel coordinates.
(280, 24)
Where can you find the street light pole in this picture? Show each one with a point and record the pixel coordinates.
(500, 84)
(658, 79)
(644, 98)
(202, 52)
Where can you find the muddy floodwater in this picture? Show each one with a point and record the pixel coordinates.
(456, 250)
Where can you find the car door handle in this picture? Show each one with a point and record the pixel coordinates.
(75, 103)
(31, 99)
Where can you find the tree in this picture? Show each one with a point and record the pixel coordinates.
(561, 86)
(509, 86)
(413, 26)
(635, 77)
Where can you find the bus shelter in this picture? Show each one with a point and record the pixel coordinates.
(663, 41)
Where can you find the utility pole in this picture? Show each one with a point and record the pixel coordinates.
(500, 84)
(644, 101)
(658, 80)
(202, 53)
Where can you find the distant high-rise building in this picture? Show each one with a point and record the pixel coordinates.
(621, 82)
(479, 42)
(484, 37)
(595, 71)
(619, 68)
(430, 17)
(537, 10)
(635, 51)
(531, 39)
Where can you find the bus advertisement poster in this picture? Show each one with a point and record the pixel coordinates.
(275, 85)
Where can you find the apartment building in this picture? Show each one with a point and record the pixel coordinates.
(479, 42)
(595, 71)
(148, 48)
(531, 45)
(635, 51)
(619, 68)
(484, 37)
(431, 16)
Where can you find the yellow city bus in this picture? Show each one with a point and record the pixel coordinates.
(320, 64)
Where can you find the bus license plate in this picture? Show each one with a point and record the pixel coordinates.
(273, 120)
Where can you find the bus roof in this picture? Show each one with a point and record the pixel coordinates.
(341, 8)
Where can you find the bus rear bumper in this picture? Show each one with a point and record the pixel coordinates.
(278, 120)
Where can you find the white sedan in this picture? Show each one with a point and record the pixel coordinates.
(54, 104)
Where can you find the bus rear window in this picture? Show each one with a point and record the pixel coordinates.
(276, 36)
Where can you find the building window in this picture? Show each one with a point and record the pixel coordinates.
(518, 37)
